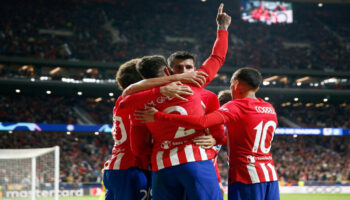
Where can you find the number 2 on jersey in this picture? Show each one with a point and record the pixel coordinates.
(181, 132)
(262, 129)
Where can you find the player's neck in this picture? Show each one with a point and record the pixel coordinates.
(249, 94)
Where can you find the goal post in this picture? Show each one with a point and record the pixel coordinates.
(29, 173)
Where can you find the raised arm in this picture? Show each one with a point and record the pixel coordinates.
(216, 59)
(197, 78)
(174, 89)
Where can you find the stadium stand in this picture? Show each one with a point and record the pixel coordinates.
(23, 108)
(108, 34)
(319, 39)
(81, 155)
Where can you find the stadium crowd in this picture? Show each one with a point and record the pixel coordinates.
(18, 108)
(39, 109)
(87, 30)
(310, 159)
(318, 115)
(54, 110)
(82, 156)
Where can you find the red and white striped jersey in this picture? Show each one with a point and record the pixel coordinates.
(172, 145)
(250, 124)
(122, 156)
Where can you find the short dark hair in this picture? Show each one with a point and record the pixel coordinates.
(249, 75)
(224, 96)
(127, 74)
(151, 66)
(183, 55)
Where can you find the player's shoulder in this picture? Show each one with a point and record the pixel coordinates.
(229, 105)
(243, 103)
(208, 96)
(117, 109)
(261, 102)
(117, 102)
(206, 92)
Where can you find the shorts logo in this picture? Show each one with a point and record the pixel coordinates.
(166, 144)
(251, 159)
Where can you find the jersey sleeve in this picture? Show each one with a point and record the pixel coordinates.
(137, 100)
(217, 131)
(191, 121)
(217, 58)
(229, 111)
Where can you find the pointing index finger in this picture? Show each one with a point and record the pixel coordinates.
(221, 7)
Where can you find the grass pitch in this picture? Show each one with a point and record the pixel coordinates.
(313, 197)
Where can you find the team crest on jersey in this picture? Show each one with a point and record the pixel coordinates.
(161, 99)
(251, 159)
(166, 144)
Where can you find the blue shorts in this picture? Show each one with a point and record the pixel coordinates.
(190, 181)
(130, 183)
(257, 191)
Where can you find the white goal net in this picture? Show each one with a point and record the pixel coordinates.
(29, 173)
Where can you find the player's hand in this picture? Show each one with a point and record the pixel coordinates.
(205, 141)
(145, 116)
(222, 19)
(197, 78)
(177, 90)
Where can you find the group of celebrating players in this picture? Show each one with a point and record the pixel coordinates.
(165, 126)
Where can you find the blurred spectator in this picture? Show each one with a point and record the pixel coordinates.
(319, 115)
(118, 31)
(82, 155)
(316, 160)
